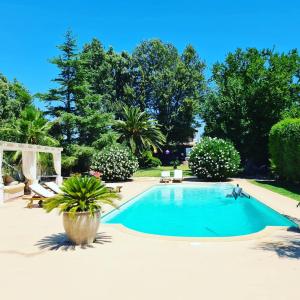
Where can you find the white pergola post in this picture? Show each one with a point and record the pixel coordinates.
(57, 167)
(1, 179)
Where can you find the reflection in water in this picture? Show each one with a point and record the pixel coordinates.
(178, 197)
(165, 195)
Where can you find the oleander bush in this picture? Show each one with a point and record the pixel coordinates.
(214, 159)
(284, 147)
(116, 163)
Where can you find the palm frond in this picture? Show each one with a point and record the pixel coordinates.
(139, 131)
(81, 194)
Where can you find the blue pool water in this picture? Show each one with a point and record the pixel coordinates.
(193, 211)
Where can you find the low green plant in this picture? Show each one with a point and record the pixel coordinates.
(116, 163)
(175, 163)
(81, 194)
(284, 147)
(214, 159)
(147, 160)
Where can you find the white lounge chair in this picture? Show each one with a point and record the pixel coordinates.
(114, 187)
(53, 187)
(165, 176)
(177, 176)
(40, 194)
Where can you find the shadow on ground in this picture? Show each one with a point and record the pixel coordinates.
(60, 241)
(295, 220)
(286, 247)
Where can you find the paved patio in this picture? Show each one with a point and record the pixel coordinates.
(37, 262)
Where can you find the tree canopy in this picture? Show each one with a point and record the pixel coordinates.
(155, 78)
(94, 85)
(152, 99)
(169, 86)
(13, 99)
(249, 92)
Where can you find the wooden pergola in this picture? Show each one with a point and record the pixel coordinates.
(29, 160)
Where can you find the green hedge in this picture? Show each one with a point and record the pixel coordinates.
(284, 146)
(214, 159)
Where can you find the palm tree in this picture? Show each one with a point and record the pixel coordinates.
(30, 128)
(34, 127)
(139, 131)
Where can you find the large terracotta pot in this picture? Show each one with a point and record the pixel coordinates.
(82, 228)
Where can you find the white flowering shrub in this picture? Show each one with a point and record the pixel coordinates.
(116, 163)
(214, 159)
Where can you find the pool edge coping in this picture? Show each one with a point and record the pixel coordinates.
(265, 232)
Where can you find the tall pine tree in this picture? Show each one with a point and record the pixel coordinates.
(62, 100)
(81, 118)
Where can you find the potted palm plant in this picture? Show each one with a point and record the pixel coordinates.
(81, 203)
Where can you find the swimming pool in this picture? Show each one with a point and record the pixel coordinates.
(195, 211)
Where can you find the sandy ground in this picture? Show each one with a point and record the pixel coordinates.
(37, 262)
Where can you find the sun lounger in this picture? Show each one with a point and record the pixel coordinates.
(40, 194)
(114, 187)
(177, 176)
(165, 176)
(53, 187)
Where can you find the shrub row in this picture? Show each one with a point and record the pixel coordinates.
(284, 146)
(211, 159)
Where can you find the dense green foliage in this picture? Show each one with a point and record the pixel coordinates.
(251, 90)
(81, 194)
(13, 99)
(291, 112)
(214, 159)
(116, 163)
(162, 88)
(154, 78)
(169, 86)
(80, 119)
(62, 101)
(152, 100)
(284, 143)
(31, 127)
(94, 85)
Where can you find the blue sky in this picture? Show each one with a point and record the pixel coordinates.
(31, 29)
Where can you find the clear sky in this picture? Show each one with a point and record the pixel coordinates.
(31, 29)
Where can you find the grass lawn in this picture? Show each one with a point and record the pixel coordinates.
(156, 172)
(285, 189)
